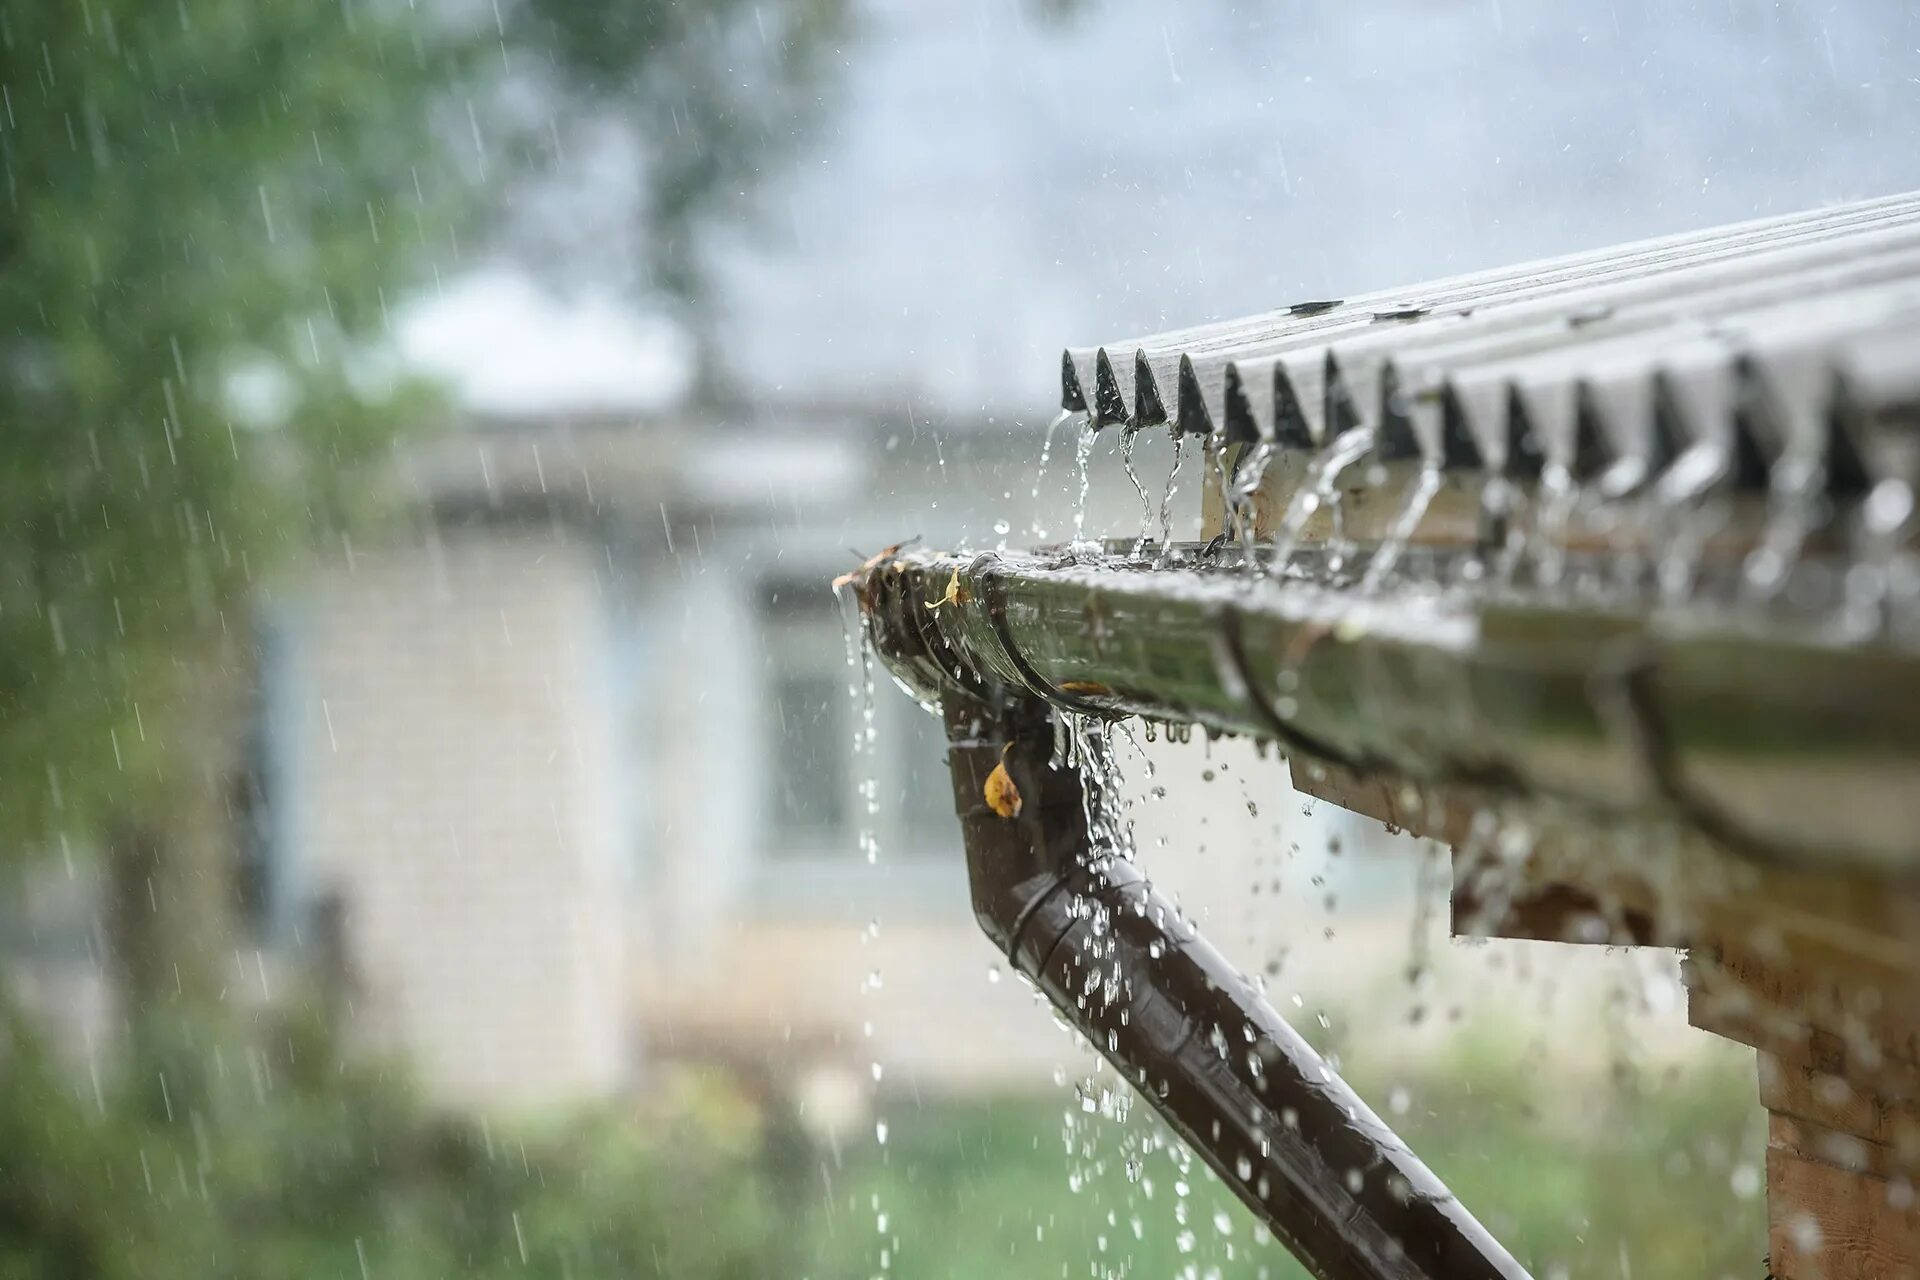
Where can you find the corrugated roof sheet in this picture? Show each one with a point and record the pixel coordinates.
(1799, 333)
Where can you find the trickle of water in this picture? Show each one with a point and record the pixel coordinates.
(1166, 498)
(1237, 492)
(1412, 508)
(1127, 438)
(1321, 489)
(1885, 517)
(860, 659)
(1547, 538)
(1691, 528)
(1683, 515)
(1046, 455)
(1793, 509)
(1082, 455)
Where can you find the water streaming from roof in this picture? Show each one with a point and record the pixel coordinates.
(1046, 456)
(1082, 455)
(1166, 498)
(866, 746)
(1320, 492)
(1127, 437)
(1239, 488)
(1413, 507)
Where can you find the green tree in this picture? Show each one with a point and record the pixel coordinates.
(711, 97)
(205, 196)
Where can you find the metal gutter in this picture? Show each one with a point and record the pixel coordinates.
(1694, 716)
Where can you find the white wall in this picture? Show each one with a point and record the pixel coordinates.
(451, 769)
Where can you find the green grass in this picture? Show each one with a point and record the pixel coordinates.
(1577, 1180)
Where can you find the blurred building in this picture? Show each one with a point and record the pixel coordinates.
(569, 768)
(558, 783)
(561, 777)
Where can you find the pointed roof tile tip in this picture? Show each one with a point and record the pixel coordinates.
(1666, 426)
(1755, 429)
(1191, 412)
(1524, 458)
(1340, 414)
(1109, 405)
(1397, 438)
(1072, 398)
(1593, 451)
(1752, 460)
(1847, 476)
(1290, 427)
(1459, 447)
(1242, 427)
(1148, 411)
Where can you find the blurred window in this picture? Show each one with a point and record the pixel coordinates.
(259, 870)
(814, 806)
(809, 773)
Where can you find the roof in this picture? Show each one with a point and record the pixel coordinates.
(1790, 333)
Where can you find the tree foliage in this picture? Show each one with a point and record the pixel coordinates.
(217, 1158)
(205, 198)
(710, 95)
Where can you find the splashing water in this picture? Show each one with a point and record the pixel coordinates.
(1412, 508)
(1321, 490)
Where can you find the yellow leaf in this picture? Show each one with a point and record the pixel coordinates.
(956, 593)
(1002, 796)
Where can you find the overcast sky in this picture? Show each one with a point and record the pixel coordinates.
(992, 186)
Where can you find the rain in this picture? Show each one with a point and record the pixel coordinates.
(853, 638)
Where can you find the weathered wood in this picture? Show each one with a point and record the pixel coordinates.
(1827, 1223)
(1840, 1077)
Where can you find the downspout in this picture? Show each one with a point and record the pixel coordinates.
(1175, 1018)
(1187, 1030)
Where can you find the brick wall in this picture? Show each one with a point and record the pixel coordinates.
(450, 775)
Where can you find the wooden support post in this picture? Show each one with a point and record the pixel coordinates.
(1819, 975)
(1839, 1065)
